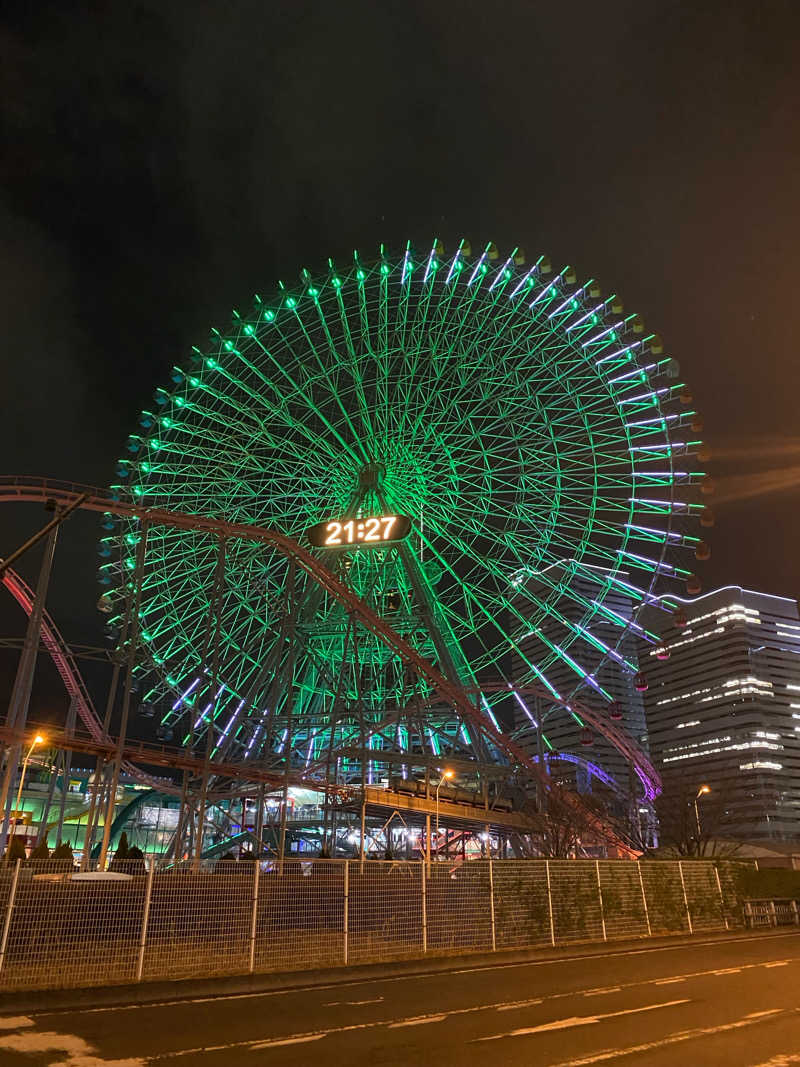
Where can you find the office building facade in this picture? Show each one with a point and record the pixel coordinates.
(724, 710)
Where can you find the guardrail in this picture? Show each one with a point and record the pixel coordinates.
(777, 911)
(62, 929)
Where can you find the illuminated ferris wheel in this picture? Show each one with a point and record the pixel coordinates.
(488, 451)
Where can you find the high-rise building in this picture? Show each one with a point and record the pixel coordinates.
(724, 709)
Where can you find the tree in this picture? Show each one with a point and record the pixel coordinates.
(692, 831)
(121, 854)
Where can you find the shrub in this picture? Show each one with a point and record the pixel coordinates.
(16, 850)
(41, 852)
(768, 882)
(63, 853)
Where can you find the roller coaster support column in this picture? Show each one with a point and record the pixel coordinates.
(259, 820)
(98, 792)
(66, 767)
(23, 683)
(133, 640)
(216, 608)
(362, 839)
(180, 829)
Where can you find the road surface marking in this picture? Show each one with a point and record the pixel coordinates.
(352, 1003)
(514, 1004)
(777, 963)
(728, 970)
(580, 1020)
(79, 1053)
(672, 1039)
(602, 992)
(287, 1041)
(672, 981)
(682, 946)
(781, 1060)
(315, 1035)
(15, 1022)
(420, 1020)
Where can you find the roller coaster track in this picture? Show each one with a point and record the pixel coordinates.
(19, 489)
(70, 674)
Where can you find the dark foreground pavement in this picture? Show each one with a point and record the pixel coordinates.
(733, 1002)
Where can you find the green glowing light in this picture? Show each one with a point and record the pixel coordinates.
(526, 462)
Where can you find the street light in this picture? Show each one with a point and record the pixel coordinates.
(38, 740)
(446, 776)
(701, 792)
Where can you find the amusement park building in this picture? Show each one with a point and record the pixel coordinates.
(724, 710)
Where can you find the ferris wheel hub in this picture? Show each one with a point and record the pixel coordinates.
(371, 475)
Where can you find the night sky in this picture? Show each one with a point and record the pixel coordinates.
(164, 161)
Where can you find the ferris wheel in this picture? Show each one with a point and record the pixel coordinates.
(487, 450)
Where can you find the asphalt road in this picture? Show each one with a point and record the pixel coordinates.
(730, 1003)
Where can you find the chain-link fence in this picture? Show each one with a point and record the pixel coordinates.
(59, 928)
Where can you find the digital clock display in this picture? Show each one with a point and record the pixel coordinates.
(375, 530)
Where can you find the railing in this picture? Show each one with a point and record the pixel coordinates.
(774, 912)
(61, 929)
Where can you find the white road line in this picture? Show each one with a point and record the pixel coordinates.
(672, 1039)
(352, 1003)
(781, 1060)
(421, 1020)
(577, 1020)
(15, 1022)
(499, 966)
(287, 1041)
(602, 992)
(728, 970)
(777, 963)
(515, 1004)
(672, 981)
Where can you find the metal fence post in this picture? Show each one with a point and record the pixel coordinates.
(721, 899)
(148, 893)
(491, 904)
(550, 904)
(795, 914)
(254, 916)
(346, 907)
(424, 910)
(644, 900)
(600, 898)
(773, 914)
(685, 898)
(9, 908)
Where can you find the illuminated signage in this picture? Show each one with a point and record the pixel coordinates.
(375, 530)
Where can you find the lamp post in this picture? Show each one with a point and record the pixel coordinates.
(38, 740)
(701, 792)
(446, 776)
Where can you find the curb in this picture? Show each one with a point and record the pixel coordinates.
(54, 1000)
